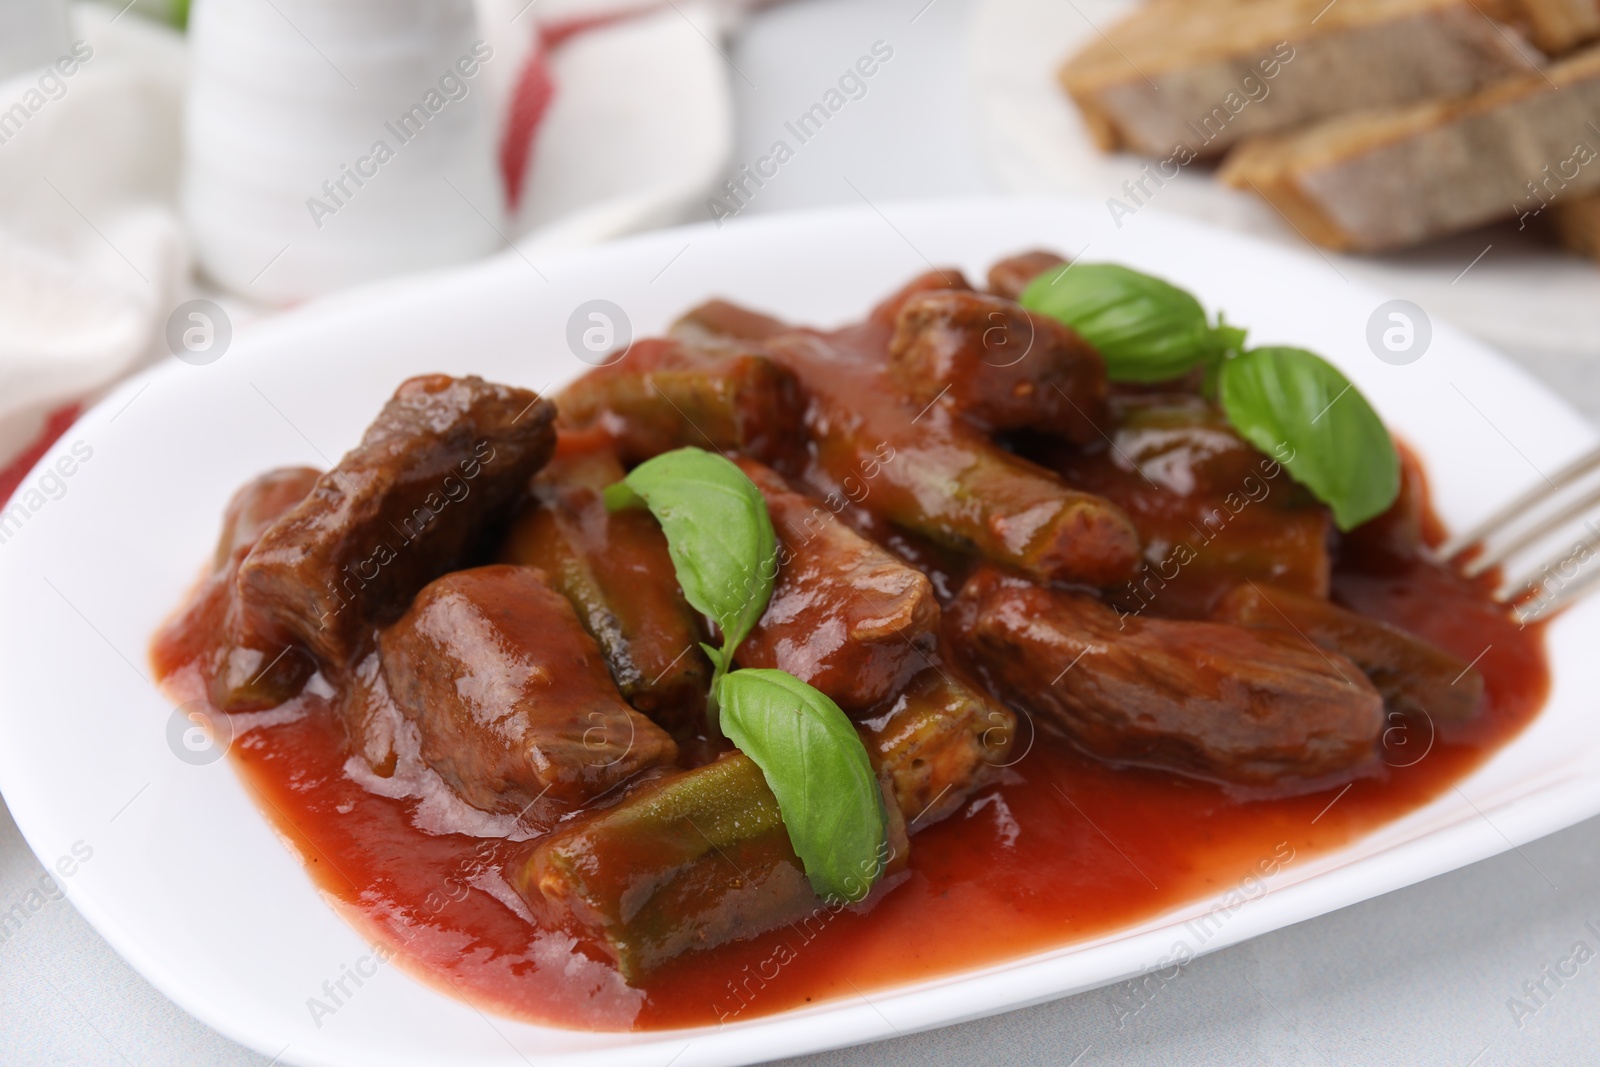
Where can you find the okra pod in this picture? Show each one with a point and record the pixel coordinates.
(1411, 673)
(615, 569)
(941, 741)
(1231, 703)
(700, 858)
(925, 471)
(662, 396)
(690, 861)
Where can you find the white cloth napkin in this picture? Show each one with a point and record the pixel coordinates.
(91, 254)
(637, 126)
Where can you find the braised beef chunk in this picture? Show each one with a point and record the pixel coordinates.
(888, 311)
(510, 695)
(1234, 703)
(1010, 276)
(372, 721)
(249, 670)
(1410, 673)
(256, 506)
(845, 616)
(719, 323)
(997, 366)
(443, 460)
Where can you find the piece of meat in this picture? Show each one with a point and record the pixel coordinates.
(1233, 703)
(444, 459)
(373, 723)
(511, 697)
(254, 671)
(845, 616)
(997, 366)
(1178, 80)
(1410, 672)
(887, 311)
(258, 504)
(1395, 177)
(720, 323)
(615, 569)
(244, 669)
(1010, 276)
(665, 394)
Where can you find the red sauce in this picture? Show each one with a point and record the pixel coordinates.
(1068, 849)
(1065, 849)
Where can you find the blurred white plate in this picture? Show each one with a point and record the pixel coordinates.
(188, 880)
(1523, 294)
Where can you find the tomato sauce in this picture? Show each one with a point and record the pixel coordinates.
(1064, 849)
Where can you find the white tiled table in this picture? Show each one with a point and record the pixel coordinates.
(1418, 977)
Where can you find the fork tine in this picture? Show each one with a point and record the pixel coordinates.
(1580, 584)
(1509, 514)
(1532, 581)
(1535, 532)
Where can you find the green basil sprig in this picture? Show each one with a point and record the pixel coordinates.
(718, 534)
(1287, 402)
(824, 783)
(1147, 329)
(1340, 448)
(724, 551)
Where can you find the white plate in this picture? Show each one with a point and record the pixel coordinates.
(187, 879)
(1511, 288)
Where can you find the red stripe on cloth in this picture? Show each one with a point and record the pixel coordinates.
(535, 89)
(529, 102)
(58, 422)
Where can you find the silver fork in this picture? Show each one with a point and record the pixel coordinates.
(1542, 518)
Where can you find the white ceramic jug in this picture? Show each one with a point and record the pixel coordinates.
(332, 142)
(32, 33)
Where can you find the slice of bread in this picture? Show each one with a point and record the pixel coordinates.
(1577, 223)
(1558, 26)
(1393, 177)
(1204, 74)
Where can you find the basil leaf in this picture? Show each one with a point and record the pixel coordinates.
(1148, 330)
(619, 497)
(817, 767)
(1298, 408)
(718, 534)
